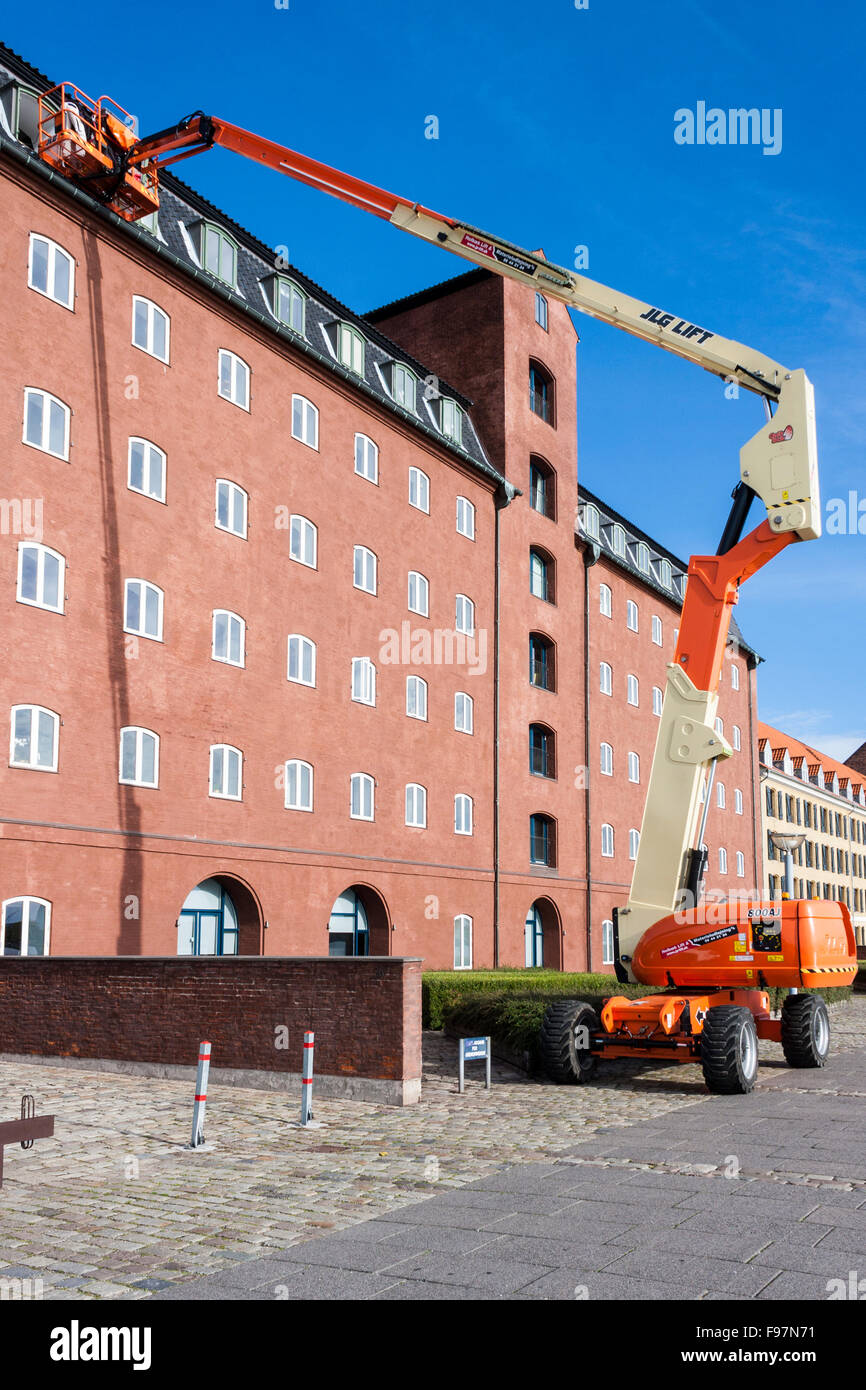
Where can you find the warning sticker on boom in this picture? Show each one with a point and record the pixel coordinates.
(703, 940)
(499, 253)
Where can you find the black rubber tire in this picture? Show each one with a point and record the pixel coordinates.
(564, 1062)
(729, 1050)
(805, 1030)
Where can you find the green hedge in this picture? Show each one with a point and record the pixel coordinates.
(442, 989)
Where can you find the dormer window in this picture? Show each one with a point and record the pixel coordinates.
(665, 574)
(350, 348)
(617, 541)
(590, 521)
(289, 304)
(643, 558)
(219, 254)
(451, 419)
(403, 386)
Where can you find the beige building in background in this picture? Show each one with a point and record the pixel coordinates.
(805, 792)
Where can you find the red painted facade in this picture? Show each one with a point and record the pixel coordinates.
(116, 862)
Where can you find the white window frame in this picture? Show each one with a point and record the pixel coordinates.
(607, 942)
(363, 681)
(464, 812)
(462, 932)
(27, 900)
(605, 678)
(741, 864)
(466, 515)
(642, 556)
(633, 844)
(632, 615)
(657, 631)
(47, 402)
(632, 688)
(464, 615)
(416, 806)
(55, 251)
(233, 492)
(634, 767)
(418, 687)
(222, 240)
(721, 796)
(608, 841)
(658, 701)
(43, 552)
(606, 759)
(735, 676)
(418, 593)
(419, 484)
(304, 645)
(464, 702)
(367, 456)
(723, 860)
(367, 579)
(233, 618)
(137, 781)
(451, 419)
(351, 348)
(299, 803)
(736, 738)
(719, 725)
(605, 601)
(226, 749)
(738, 801)
(35, 711)
(365, 785)
(617, 541)
(305, 422)
(239, 377)
(148, 450)
(306, 531)
(152, 312)
(297, 298)
(146, 586)
(401, 374)
(541, 311)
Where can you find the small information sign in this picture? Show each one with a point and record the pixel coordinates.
(473, 1050)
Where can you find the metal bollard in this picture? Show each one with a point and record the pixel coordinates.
(198, 1111)
(307, 1080)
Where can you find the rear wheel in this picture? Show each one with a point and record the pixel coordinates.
(565, 1037)
(729, 1050)
(805, 1030)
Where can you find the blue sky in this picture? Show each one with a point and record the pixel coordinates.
(556, 129)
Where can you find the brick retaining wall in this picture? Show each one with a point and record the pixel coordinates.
(148, 1014)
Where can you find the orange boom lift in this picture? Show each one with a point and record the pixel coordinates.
(715, 962)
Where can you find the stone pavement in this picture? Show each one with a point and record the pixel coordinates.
(532, 1190)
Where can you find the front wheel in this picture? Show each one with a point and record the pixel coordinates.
(805, 1030)
(566, 1035)
(729, 1050)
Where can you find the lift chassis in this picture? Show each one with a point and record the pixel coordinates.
(714, 964)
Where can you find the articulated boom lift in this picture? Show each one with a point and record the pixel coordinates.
(715, 962)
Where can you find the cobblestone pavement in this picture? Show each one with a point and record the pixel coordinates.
(114, 1207)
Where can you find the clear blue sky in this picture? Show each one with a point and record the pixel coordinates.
(556, 129)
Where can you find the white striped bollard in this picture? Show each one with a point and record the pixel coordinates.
(307, 1079)
(198, 1110)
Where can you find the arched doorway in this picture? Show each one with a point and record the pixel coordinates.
(358, 925)
(541, 936)
(220, 917)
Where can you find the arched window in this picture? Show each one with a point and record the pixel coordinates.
(419, 490)
(463, 942)
(416, 805)
(46, 423)
(541, 392)
(416, 697)
(607, 942)
(289, 304)
(233, 379)
(631, 616)
(633, 690)
(738, 801)
(462, 814)
(542, 840)
(605, 678)
(658, 700)
(302, 541)
(364, 569)
(418, 600)
(229, 633)
(305, 422)
(542, 487)
(633, 843)
(299, 786)
(139, 757)
(302, 660)
(741, 864)
(51, 271)
(363, 680)
(658, 631)
(464, 615)
(542, 661)
(633, 767)
(720, 794)
(542, 574)
(464, 709)
(226, 772)
(607, 841)
(231, 508)
(142, 609)
(147, 469)
(25, 927)
(542, 751)
(34, 738)
(207, 924)
(366, 458)
(533, 936)
(41, 574)
(605, 601)
(723, 861)
(150, 328)
(607, 759)
(362, 799)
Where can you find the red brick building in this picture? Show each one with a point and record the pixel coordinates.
(313, 644)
